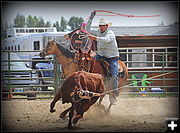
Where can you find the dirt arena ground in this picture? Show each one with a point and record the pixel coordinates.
(146, 114)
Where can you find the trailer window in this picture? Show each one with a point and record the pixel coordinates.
(36, 45)
(18, 47)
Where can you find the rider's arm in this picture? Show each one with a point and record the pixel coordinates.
(89, 29)
(107, 39)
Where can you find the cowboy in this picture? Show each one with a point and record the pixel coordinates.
(107, 48)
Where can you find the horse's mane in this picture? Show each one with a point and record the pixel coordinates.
(66, 51)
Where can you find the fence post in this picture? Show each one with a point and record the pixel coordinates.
(55, 85)
(9, 77)
(163, 65)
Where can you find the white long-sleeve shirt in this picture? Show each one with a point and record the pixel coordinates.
(106, 41)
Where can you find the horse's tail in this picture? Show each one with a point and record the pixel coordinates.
(105, 66)
(125, 70)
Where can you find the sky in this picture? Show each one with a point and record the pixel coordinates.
(53, 10)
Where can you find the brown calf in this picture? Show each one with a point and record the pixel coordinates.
(72, 90)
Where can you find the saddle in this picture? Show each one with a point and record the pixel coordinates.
(106, 68)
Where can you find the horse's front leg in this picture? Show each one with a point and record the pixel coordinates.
(112, 99)
(109, 106)
(101, 98)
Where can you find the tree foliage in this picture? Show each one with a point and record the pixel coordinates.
(19, 21)
(34, 21)
(63, 24)
(75, 22)
(30, 21)
(57, 26)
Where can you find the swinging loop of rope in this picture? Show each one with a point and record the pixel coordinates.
(86, 43)
(110, 14)
(113, 14)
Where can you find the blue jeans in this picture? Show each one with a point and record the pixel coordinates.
(113, 70)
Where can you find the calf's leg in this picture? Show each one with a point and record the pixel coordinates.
(56, 98)
(70, 117)
(62, 115)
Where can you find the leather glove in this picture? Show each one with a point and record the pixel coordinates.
(66, 37)
(92, 37)
(93, 14)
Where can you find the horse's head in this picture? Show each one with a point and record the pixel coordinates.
(85, 60)
(49, 49)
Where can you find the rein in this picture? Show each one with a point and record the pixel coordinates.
(89, 67)
(72, 61)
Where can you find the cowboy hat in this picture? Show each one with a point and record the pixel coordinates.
(103, 21)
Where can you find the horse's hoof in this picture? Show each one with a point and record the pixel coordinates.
(52, 110)
(100, 106)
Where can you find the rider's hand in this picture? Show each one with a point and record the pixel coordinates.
(93, 14)
(66, 37)
(92, 37)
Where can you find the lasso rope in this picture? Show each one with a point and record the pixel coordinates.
(110, 13)
(100, 94)
(119, 14)
(139, 81)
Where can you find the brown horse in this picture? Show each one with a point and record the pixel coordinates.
(87, 62)
(64, 56)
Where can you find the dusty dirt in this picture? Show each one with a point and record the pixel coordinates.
(129, 114)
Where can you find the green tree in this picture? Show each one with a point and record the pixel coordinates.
(40, 22)
(19, 21)
(48, 24)
(63, 24)
(36, 21)
(57, 26)
(4, 27)
(75, 22)
(30, 21)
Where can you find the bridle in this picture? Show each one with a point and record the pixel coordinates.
(49, 47)
(89, 67)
